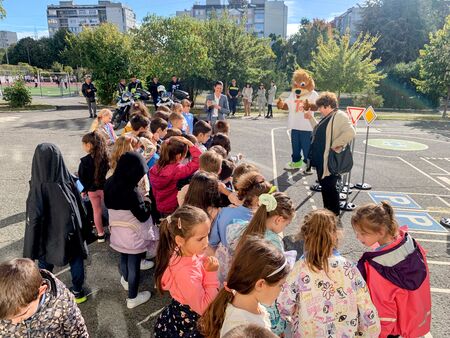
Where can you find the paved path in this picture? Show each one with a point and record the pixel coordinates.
(423, 176)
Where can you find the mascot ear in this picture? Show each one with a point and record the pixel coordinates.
(313, 85)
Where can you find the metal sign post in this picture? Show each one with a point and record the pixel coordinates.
(369, 116)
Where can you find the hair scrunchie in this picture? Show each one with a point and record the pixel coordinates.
(269, 201)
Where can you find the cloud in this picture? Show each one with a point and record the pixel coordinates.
(40, 34)
(292, 28)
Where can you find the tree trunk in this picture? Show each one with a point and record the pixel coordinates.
(444, 113)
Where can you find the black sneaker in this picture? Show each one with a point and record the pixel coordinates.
(80, 296)
(101, 238)
(91, 116)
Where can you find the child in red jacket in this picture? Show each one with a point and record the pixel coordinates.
(396, 272)
(169, 170)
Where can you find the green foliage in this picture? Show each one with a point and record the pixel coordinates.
(106, 52)
(2, 10)
(17, 95)
(434, 65)
(340, 67)
(57, 67)
(402, 25)
(369, 98)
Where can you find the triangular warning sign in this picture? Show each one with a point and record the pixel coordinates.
(355, 113)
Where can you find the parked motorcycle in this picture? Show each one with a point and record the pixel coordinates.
(124, 104)
(167, 99)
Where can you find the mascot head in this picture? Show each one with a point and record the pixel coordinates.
(302, 83)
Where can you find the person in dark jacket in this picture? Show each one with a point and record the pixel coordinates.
(92, 173)
(174, 84)
(34, 303)
(88, 89)
(56, 225)
(121, 87)
(134, 84)
(153, 88)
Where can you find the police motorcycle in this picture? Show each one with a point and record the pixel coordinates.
(124, 104)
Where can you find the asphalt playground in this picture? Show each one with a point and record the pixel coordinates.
(408, 164)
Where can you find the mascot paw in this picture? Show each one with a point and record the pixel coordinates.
(309, 106)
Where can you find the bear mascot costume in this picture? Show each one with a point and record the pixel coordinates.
(301, 100)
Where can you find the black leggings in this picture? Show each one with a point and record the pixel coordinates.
(130, 267)
(330, 194)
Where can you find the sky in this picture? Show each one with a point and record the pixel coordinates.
(29, 18)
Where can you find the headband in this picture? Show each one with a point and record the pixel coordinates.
(279, 269)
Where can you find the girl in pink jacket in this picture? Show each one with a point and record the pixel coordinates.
(169, 170)
(185, 271)
(396, 272)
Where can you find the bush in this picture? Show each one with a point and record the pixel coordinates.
(369, 98)
(17, 95)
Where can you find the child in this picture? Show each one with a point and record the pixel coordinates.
(242, 169)
(255, 278)
(222, 126)
(36, 303)
(59, 238)
(138, 124)
(123, 144)
(92, 174)
(103, 124)
(219, 150)
(168, 170)
(249, 331)
(184, 271)
(249, 187)
(203, 193)
(325, 295)
(132, 229)
(162, 114)
(177, 121)
(172, 132)
(187, 115)
(202, 131)
(274, 214)
(158, 127)
(138, 108)
(222, 140)
(396, 272)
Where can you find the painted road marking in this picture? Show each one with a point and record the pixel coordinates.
(445, 179)
(429, 233)
(274, 158)
(430, 240)
(438, 262)
(396, 200)
(423, 173)
(436, 166)
(438, 290)
(396, 144)
(418, 221)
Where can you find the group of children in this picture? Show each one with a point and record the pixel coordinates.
(214, 226)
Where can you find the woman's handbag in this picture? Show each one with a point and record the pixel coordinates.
(342, 162)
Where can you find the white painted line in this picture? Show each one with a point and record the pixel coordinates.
(438, 290)
(434, 165)
(154, 314)
(438, 262)
(62, 271)
(429, 233)
(431, 240)
(443, 201)
(312, 200)
(411, 193)
(288, 134)
(423, 173)
(428, 335)
(274, 159)
(440, 211)
(445, 179)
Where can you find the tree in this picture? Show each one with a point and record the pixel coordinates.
(341, 67)
(106, 52)
(434, 65)
(163, 47)
(2, 10)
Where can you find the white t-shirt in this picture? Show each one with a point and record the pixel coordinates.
(235, 317)
(215, 112)
(296, 118)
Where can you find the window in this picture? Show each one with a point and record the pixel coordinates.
(259, 17)
(52, 21)
(82, 12)
(93, 12)
(259, 27)
(52, 12)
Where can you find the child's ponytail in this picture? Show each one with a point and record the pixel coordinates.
(376, 217)
(98, 152)
(392, 224)
(211, 322)
(169, 151)
(319, 231)
(181, 223)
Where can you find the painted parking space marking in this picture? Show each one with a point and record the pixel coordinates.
(419, 221)
(396, 144)
(435, 165)
(396, 200)
(445, 179)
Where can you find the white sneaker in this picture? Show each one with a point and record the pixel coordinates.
(141, 298)
(124, 283)
(146, 265)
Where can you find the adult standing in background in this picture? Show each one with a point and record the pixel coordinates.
(174, 84)
(247, 95)
(233, 93)
(270, 98)
(261, 99)
(88, 90)
(153, 88)
(134, 84)
(216, 105)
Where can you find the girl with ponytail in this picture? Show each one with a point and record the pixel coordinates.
(396, 272)
(184, 271)
(255, 279)
(325, 294)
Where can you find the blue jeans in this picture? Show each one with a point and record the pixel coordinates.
(130, 267)
(76, 270)
(301, 143)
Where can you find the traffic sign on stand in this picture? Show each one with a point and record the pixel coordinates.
(369, 115)
(355, 113)
(395, 199)
(421, 221)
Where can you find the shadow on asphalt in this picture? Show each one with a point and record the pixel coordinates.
(66, 124)
(20, 217)
(438, 127)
